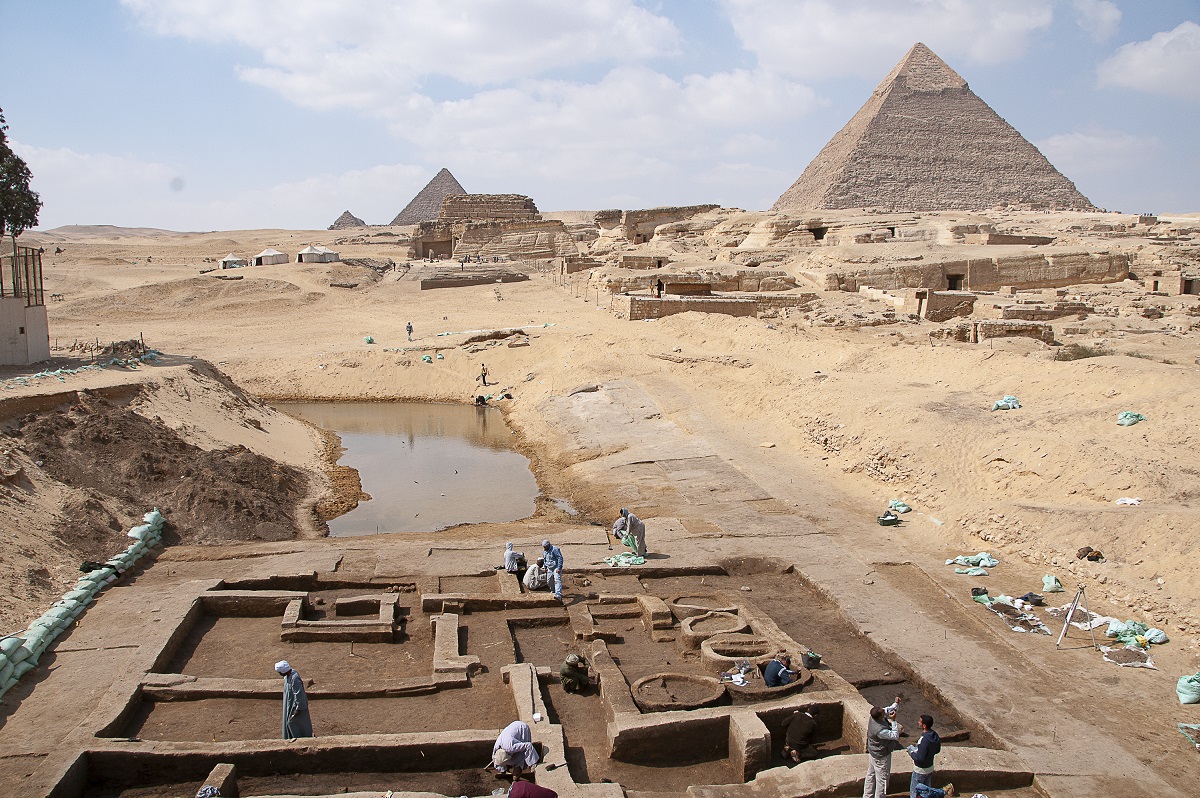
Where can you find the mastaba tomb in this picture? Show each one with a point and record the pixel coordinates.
(924, 141)
(428, 203)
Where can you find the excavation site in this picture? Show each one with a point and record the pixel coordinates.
(678, 502)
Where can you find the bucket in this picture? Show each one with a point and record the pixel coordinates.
(810, 660)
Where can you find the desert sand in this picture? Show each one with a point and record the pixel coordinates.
(828, 420)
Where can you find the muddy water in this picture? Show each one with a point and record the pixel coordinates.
(426, 466)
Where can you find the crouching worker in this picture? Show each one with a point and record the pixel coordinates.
(574, 674)
(799, 730)
(514, 561)
(779, 671)
(514, 752)
(536, 576)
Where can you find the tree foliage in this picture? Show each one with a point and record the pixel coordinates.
(19, 204)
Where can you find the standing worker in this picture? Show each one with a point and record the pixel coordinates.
(553, 557)
(408, 329)
(296, 721)
(922, 755)
(882, 736)
(483, 372)
(631, 530)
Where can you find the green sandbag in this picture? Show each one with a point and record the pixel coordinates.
(6, 670)
(10, 644)
(1127, 418)
(1188, 689)
(24, 668)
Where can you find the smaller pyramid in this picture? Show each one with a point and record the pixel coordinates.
(428, 202)
(347, 220)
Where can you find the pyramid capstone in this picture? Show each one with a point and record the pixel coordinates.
(925, 142)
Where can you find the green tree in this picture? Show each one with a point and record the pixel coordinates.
(19, 204)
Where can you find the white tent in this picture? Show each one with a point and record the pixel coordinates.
(311, 254)
(232, 261)
(269, 256)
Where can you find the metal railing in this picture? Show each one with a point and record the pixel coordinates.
(21, 275)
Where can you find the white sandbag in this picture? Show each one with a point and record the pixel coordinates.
(139, 532)
(154, 518)
(19, 654)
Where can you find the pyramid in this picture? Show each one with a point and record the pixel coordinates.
(925, 142)
(346, 220)
(425, 206)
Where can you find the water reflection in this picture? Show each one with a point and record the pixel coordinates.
(427, 466)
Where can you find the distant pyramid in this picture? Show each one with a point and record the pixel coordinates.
(425, 206)
(925, 142)
(347, 219)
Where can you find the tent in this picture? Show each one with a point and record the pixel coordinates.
(269, 256)
(232, 261)
(311, 254)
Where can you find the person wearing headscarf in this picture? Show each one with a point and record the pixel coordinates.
(514, 752)
(574, 674)
(631, 530)
(536, 577)
(514, 561)
(296, 721)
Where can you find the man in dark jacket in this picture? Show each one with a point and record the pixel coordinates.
(779, 671)
(922, 755)
(799, 729)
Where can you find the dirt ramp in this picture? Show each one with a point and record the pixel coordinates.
(126, 460)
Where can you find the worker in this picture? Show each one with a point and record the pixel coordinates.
(296, 720)
(779, 671)
(514, 752)
(574, 675)
(631, 530)
(536, 577)
(553, 557)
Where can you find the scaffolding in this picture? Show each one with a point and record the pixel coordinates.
(21, 276)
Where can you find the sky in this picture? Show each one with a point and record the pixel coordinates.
(199, 115)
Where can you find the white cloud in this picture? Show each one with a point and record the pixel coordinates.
(1100, 19)
(138, 193)
(1096, 152)
(1166, 63)
(375, 54)
(820, 38)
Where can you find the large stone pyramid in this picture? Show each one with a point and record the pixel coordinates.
(425, 206)
(346, 221)
(925, 142)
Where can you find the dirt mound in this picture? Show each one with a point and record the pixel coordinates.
(207, 496)
(164, 300)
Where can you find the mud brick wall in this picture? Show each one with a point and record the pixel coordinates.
(639, 308)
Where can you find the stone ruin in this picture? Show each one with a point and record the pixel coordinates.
(924, 141)
(490, 226)
(437, 665)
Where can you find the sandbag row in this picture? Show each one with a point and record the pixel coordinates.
(20, 653)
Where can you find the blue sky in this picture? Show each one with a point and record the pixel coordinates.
(232, 114)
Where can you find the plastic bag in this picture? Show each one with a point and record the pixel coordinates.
(898, 506)
(1050, 584)
(1007, 403)
(1127, 418)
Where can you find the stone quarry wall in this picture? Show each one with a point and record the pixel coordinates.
(1035, 270)
(616, 282)
(525, 240)
(488, 207)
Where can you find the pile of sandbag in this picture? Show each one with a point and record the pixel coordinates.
(20, 653)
